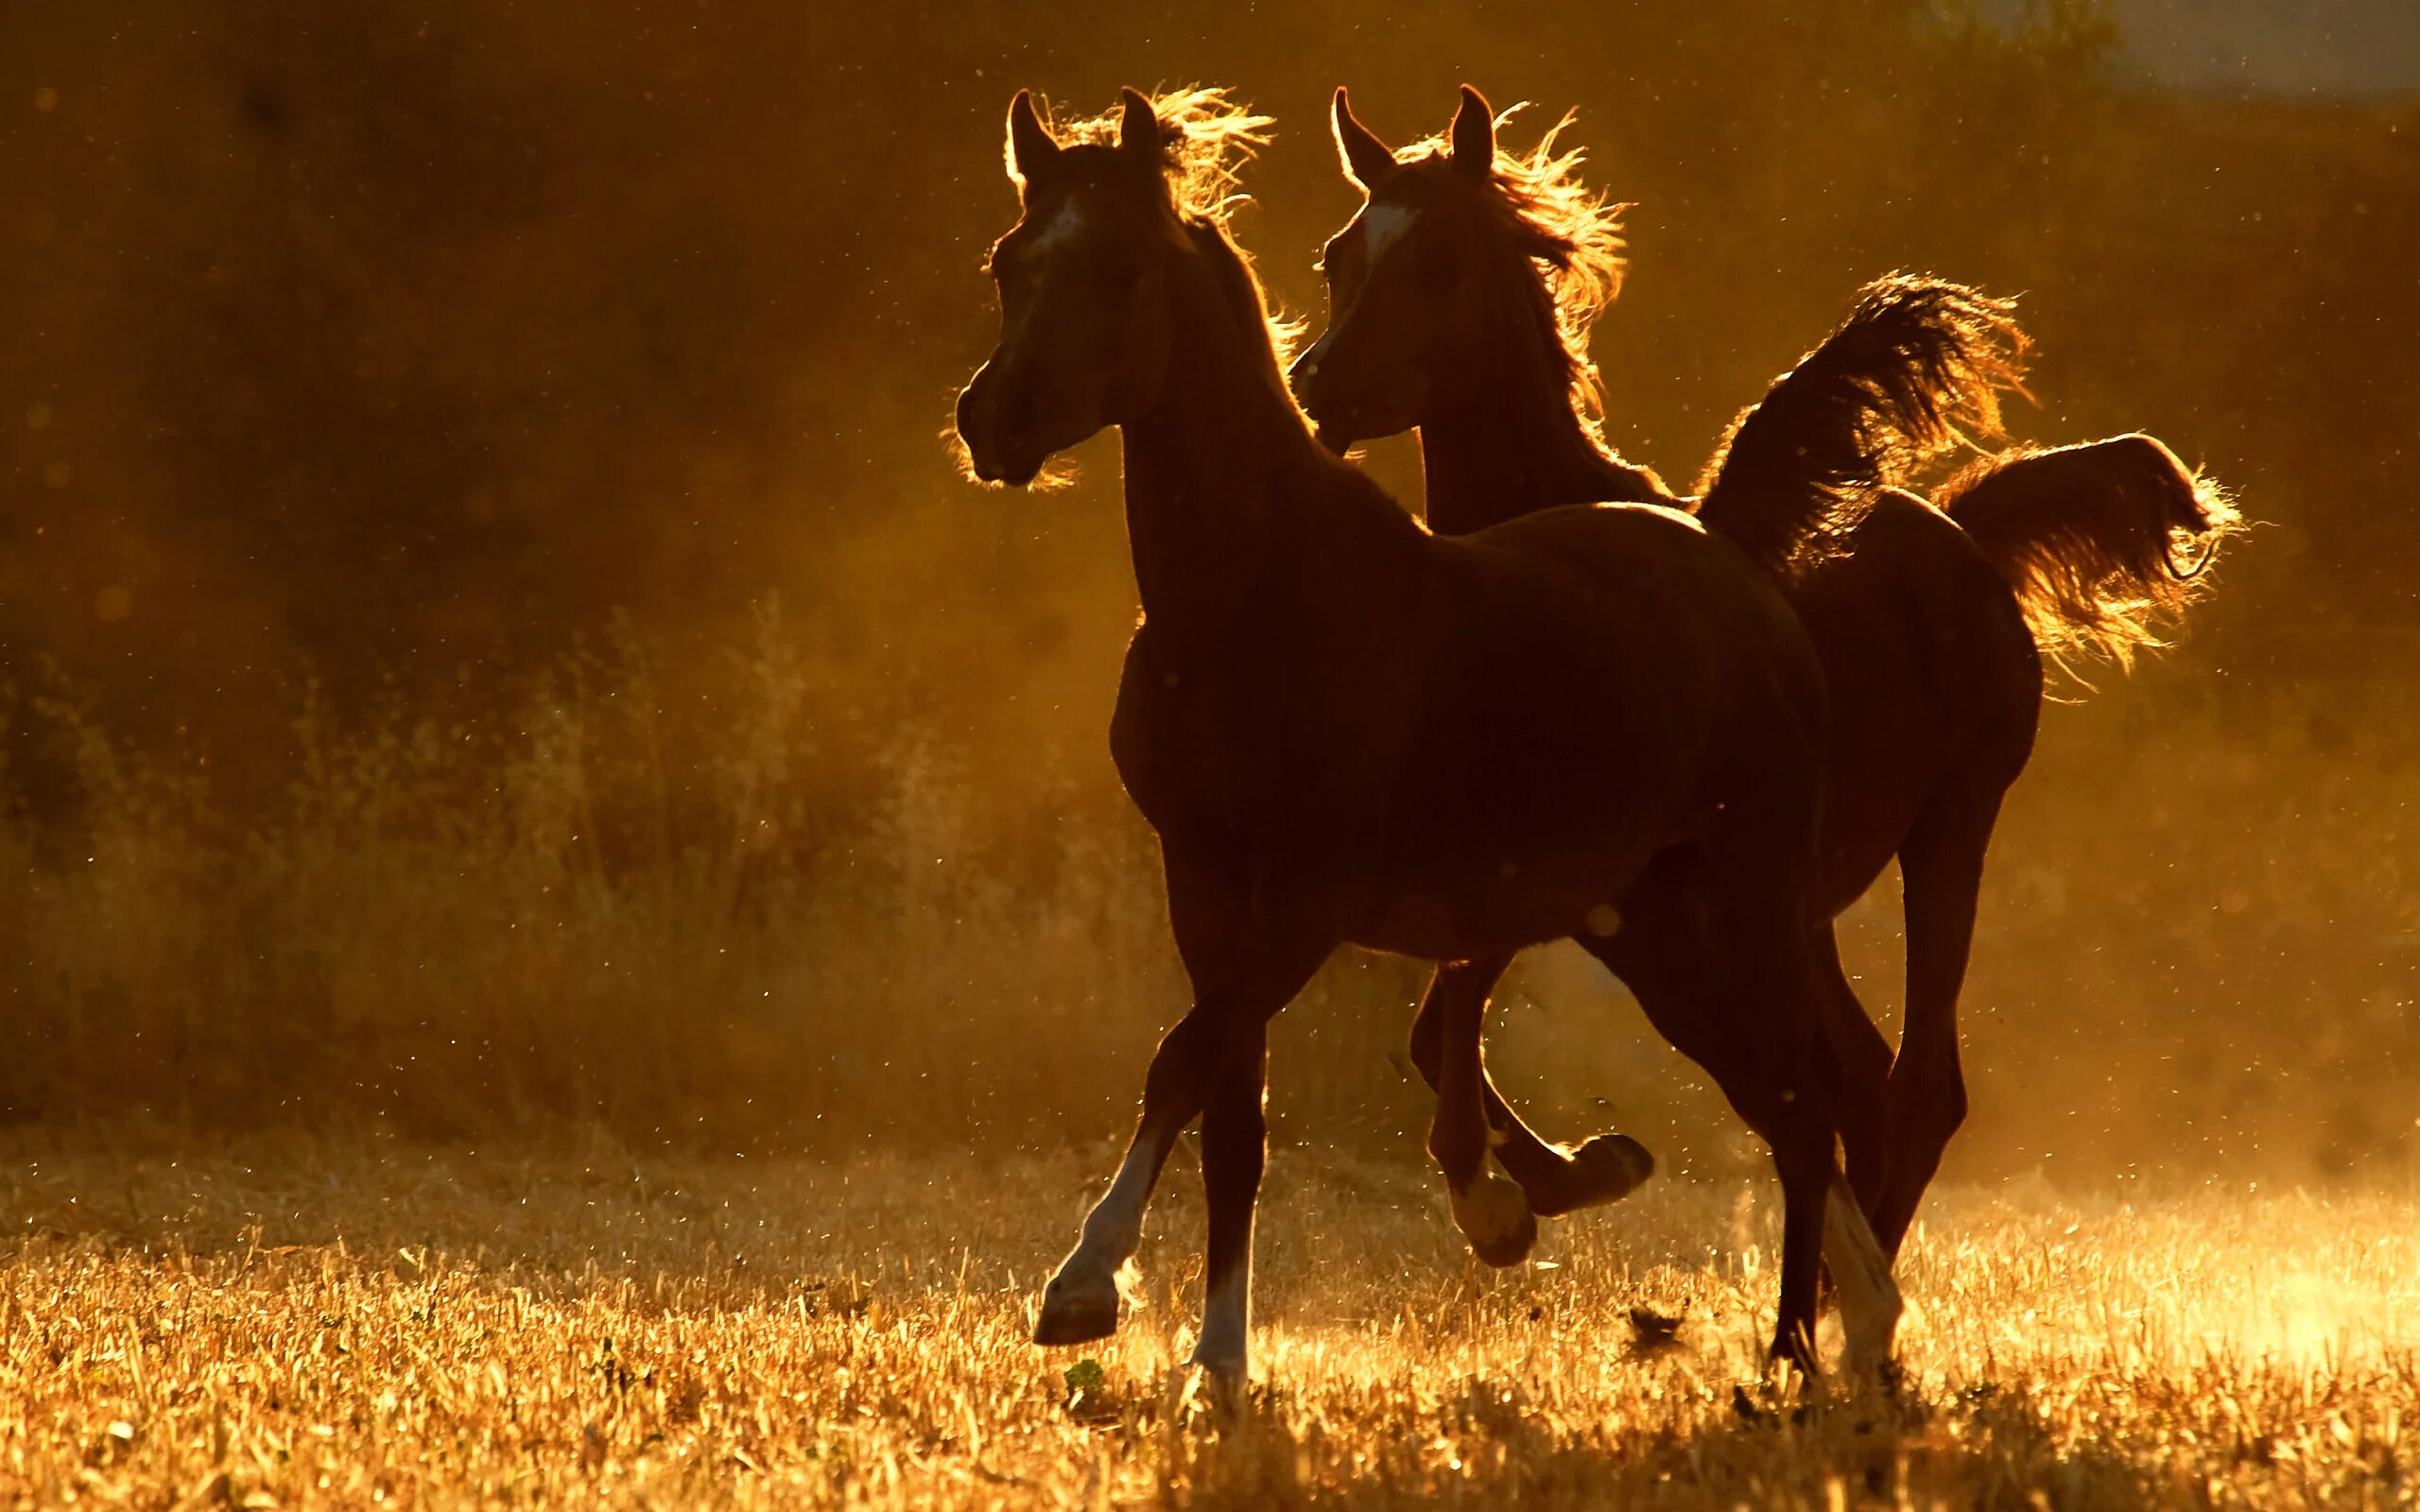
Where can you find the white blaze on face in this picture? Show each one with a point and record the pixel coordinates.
(1383, 228)
(1058, 231)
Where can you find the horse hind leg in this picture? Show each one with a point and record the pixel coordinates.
(1855, 1062)
(1745, 1002)
(1800, 1125)
(1554, 1180)
(1941, 872)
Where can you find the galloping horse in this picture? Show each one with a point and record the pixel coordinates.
(1460, 298)
(1346, 730)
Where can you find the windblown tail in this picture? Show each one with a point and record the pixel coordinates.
(1888, 387)
(2101, 542)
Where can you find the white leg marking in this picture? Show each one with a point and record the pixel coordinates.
(1224, 1347)
(1114, 1230)
(1494, 1215)
(1870, 1304)
(1081, 1300)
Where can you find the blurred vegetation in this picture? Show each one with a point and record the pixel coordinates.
(491, 635)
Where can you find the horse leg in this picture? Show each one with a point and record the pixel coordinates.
(1856, 1062)
(1743, 1001)
(1234, 1149)
(1226, 1025)
(1554, 1180)
(1852, 1064)
(1941, 874)
(1489, 1210)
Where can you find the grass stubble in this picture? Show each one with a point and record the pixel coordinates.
(364, 1322)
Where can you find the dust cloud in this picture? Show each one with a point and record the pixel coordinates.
(491, 631)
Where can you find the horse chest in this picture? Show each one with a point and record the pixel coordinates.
(1214, 756)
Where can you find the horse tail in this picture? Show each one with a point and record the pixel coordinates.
(1888, 387)
(2101, 542)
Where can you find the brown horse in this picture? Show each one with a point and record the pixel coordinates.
(1460, 298)
(1316, 716)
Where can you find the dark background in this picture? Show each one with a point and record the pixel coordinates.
(472, 473)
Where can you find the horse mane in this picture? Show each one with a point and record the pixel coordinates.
(1240, 286)
(1206, 137)
(1572, 236)
(2101, 542)
(1887, 388)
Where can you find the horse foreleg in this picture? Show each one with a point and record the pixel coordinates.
(1226, 1024)
(1235, 1148)
(1554, 1180)
(1081, 1302)
(1490, 1210)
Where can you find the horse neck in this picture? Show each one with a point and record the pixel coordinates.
(1507, 441)
(1220, 472)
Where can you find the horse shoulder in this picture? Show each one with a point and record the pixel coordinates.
(1274, 745)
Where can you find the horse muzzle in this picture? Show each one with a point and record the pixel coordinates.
(997, 427)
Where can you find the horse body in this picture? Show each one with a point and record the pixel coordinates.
(1346, 728)
(1936, 686)
(1493, 780)
(1926, 635)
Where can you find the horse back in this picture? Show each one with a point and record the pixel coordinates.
(1612, 677)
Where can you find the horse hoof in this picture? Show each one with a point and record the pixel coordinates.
(1606, 1169)
(1611, 1167)
(1495, 1218)
(1076, 1311)
(1226, 1372)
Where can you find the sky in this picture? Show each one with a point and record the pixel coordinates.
(2278, 46)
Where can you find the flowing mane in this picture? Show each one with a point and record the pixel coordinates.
(1206, 138)
(1572, 235)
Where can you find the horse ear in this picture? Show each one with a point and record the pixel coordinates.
(1031, 147)
(1365, 160)
(1139, 139)
(1472, 135)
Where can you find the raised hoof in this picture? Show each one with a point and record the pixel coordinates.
(1495, 1218)
(1606, 1169)
(1075, 1311)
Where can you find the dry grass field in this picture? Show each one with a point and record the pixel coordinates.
(569, 935)
(363, 1323)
